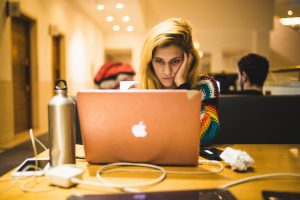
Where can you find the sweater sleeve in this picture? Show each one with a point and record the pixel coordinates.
(209, 109)
(184, 86)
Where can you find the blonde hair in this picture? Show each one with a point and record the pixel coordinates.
(174, 31)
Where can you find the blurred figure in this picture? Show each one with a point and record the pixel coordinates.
(253, 71)
(111, 74)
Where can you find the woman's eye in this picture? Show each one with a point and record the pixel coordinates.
(159, 62)
(175, 62)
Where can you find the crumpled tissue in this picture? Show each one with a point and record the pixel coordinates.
(237, 159)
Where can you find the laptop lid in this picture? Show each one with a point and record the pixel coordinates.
(145, 126)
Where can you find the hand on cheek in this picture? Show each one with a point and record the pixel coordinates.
(181, 74)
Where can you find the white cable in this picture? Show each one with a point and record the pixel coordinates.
(124, 187)
(24, 187)
(251, 178)
(42, 145)
(33, 142)
(33, 146)
(91, 183)
(33, 139)
(130, 187)
(214, 162)
(133, 187)
(35, 167)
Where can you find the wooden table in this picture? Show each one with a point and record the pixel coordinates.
(269, 158)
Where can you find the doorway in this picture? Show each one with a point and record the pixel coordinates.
(21, 74)
(118, 55)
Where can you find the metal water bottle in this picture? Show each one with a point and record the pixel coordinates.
(61, 126)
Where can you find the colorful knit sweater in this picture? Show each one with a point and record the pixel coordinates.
(209, 110)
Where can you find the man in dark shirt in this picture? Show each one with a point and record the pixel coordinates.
(253, 71)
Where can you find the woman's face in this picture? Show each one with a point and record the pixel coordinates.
(166, 62)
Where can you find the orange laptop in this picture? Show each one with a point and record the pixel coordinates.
(141, 126)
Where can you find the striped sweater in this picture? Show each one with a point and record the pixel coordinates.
(209, 110)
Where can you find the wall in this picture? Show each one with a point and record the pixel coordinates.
(282, 89)
(6, 106)
(84, 52)
(221, 27)
(284, 45)
(132, 41)
(225, 29)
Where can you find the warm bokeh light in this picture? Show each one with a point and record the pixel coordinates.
(120, 6)
(291, 21)
(201, 54)
(290, 12)
(77, 56)
(129, 28)
(109, 18)
(197, 45)
(116, 27)
(100, 7)
(126, 19)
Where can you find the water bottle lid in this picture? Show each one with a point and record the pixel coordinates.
(60, 84)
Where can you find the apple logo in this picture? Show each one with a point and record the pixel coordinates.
(139, 130)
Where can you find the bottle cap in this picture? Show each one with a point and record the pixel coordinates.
(60, 84)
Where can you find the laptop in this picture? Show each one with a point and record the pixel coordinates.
(141, 126)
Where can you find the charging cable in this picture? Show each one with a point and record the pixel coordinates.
(37, 180)
(67, 176)
(252, 178)
(211, 162)
(34, 178)
(133, 187)
(130, 187)
(33, 147)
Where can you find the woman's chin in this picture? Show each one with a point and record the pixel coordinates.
(169, 85)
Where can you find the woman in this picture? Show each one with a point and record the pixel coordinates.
(169, 60)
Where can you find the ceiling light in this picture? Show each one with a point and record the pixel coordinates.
(116, 27)
(126, 19)
(109, 18)
(290, 21)
(196, 45)
(129, 28)
(290, 12)
(100, 7)
(200, 54)
(119, 6)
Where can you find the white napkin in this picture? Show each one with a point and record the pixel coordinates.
(238, 160)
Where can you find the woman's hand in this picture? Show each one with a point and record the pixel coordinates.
(181, 74)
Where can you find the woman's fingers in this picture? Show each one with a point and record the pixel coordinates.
(185, 59)
(184, 68)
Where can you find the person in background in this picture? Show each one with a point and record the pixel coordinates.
(169, 60)
(111, 74)
(253, 71)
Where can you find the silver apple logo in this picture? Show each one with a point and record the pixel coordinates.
(139, 130)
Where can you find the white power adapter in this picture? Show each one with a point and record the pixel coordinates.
(62, 175)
